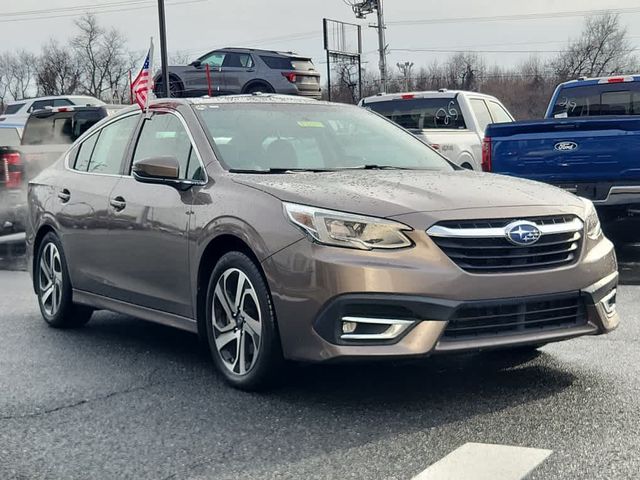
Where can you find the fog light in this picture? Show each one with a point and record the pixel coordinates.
(609, 303)
(349, 327)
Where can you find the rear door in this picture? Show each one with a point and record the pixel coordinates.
(149, 228)
(83, 203)
(237, 69)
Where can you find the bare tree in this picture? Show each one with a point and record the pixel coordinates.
(180, 57)
(105, 62)
(345, 89)
(21, 68)
(57, 71)
(602, 49)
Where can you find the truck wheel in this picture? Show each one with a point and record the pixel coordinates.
(54, 289)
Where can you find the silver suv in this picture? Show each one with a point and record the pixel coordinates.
(243, 70)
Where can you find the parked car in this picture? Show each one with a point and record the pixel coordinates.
(284, 228)
(243, 70)
(47, 135)
(451, 121)
(16, 113)
(588, 144)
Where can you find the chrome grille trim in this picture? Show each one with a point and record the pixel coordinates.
(575, 225)
(483, 246)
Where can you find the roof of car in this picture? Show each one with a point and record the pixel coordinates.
(442, 93)
(51, 97)
(582, 81)
(228, 99)
(258, 50)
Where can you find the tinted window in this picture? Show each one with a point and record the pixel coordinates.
(62, 128)
(41, 104)
(277, 63)
(12, 109)
(237, 60)
(302, 64)
(258, 137)
(601, 99)
(422, 113)
(111, 146)
(214, 60)
(164, 134)
(61, 102)
(83, 156)
(498, 113)
(481, 112)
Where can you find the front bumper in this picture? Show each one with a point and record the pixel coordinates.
(314, 288)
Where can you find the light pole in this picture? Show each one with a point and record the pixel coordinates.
(362, 9)
(163, 49)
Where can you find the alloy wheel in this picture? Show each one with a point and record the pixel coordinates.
(50, 279)
(237, 321)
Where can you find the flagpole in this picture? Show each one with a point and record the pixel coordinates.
(163, 49)
(150, 82)
(130, 88)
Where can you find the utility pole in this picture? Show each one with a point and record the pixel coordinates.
(364, 8)
(163, 49)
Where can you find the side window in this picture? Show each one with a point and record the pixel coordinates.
(216, 59)
(237, 60)
(85, 151)
(40, 104)
(112, 143)
(61, 102)
(163, 135)
(499, 114)
(481, 112)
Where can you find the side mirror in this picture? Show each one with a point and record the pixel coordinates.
(196, 63)
(157, 170)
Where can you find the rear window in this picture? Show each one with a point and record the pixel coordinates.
(422, 113)
(277, 63)
(303, 64)
(61, 128)
(12, 109)
(596, 100)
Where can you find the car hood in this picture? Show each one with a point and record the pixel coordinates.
(387, 193)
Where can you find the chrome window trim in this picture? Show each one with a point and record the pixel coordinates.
(194, 145)
(575, 225)
(97, 132)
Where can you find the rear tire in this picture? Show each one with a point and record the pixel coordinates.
(241, 326)
(258, 88)
(54, 288)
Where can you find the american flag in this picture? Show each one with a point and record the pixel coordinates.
(143, 84)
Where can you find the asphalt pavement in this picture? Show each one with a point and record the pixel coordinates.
(122, 398)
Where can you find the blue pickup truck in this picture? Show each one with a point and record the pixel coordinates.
(588, 143)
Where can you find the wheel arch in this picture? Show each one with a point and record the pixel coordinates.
(215, 249)
(257, 81)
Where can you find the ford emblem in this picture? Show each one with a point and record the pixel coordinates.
(522, 233)
(565, 146)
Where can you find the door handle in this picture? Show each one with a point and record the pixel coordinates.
(64, 195)
(118, 203)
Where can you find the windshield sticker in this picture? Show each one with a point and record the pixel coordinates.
(310, 124)
(446, 115)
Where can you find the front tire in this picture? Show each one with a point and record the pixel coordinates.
(54, 289)
(241, 325)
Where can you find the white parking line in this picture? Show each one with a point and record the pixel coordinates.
(480, 461)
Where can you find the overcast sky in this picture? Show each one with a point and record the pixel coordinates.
(196, 26)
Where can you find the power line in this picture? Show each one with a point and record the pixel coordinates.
(99, 10)
(435, 50)
(526, 16)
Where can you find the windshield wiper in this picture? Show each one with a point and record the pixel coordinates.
(373, 166)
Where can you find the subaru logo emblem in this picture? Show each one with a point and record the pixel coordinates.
(522, 233)
(565, 146)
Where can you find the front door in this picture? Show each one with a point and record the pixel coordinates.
(150, 224)
(198, 80)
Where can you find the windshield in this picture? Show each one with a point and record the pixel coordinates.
(594, 100)
(422, 113)
(311, 136)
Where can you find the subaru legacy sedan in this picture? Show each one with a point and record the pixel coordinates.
(285, 229)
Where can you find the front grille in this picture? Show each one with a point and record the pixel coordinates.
(516, 317)
(481, 246)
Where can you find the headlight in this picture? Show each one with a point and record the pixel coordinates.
(347, 230)
(592, 222)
